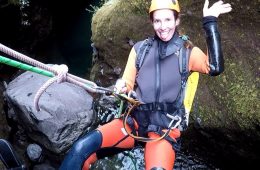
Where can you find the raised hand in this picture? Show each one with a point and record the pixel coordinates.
(216, 9)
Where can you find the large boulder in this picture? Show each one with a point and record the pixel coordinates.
(65, 111)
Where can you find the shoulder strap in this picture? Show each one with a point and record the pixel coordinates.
(142, 51)
(184, 64)
(184, 57)
(184, 71)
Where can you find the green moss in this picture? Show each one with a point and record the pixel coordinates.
(112, 26)
(242, 95)
(139, 7)
(236, 97)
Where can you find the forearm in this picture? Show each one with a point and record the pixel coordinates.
(215, 55)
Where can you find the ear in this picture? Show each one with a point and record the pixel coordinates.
(178, 21)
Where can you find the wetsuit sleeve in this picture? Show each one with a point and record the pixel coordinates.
(213, 63)
(130, 70)
(216, 60)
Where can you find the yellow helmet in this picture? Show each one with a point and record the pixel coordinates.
(164, 4)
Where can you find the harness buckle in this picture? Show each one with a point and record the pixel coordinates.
(174, 118)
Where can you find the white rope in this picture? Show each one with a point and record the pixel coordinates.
(60, 71)
(61, 76)
(41, 90)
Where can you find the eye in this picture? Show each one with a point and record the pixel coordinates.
(167, 19)
(156, 21)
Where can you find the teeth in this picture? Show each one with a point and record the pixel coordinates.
(164, 33)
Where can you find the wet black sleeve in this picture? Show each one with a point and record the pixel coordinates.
(216, 59)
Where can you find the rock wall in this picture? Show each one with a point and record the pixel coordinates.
(225, 119)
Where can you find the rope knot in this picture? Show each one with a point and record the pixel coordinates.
(61, 72)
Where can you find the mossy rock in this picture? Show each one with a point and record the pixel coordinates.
(112, 26)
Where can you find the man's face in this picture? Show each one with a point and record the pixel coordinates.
(164, 23)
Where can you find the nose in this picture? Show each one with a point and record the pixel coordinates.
(163, 25)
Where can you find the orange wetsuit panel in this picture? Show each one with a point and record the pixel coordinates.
(198, 61)
(113, 132)
(130, 70)
(113, 135)
(160, 153)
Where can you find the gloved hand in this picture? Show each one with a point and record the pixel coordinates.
(120, 86)
(216, 9)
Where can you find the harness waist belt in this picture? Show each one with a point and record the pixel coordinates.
(166, 107)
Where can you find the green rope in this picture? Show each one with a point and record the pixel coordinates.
(23, 66)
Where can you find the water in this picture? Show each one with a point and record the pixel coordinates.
(134, 160)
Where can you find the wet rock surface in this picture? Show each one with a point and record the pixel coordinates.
(65, 111)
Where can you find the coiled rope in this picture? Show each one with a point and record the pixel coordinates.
(60, 72)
